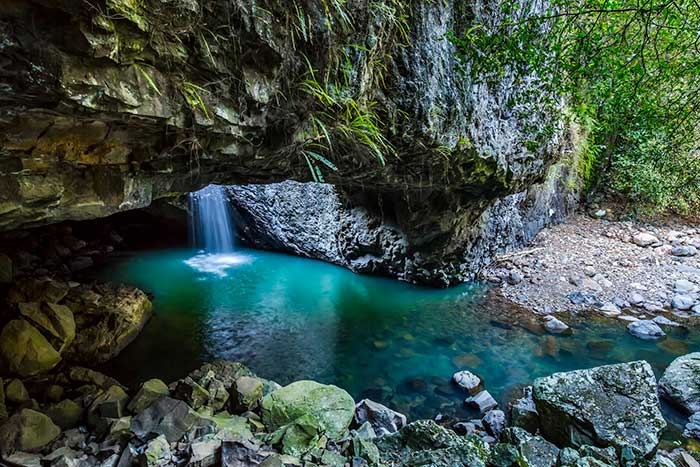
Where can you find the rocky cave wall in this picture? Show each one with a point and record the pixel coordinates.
(108, 105)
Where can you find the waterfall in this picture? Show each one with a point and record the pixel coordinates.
(211, 228)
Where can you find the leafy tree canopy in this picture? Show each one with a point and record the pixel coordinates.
(632, 71)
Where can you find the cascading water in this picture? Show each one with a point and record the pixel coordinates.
(211, 228)
(212, 231)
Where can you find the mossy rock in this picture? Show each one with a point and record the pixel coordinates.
(24, 351)
(66, 414)
(150, 391)
(330, 407)
(56, 321)
(27, 430)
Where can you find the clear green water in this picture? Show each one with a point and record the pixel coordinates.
(290, 318)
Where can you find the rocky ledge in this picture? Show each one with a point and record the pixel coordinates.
(646, 276)
(223, 414)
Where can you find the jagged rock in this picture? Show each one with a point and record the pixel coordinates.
(680, 383)
(225, 371)
(65, 414)
(645, 329)
(330, 407)
(55, 320)
(568, 456)
(157, 452)
(504, 455)
(247, 453)
(482, 401)
(54, 393)
(27, 430)
(382, 419)
(15, 392)
(533, 450)
(614, 405)
(108, 319)
(494, 422)
(555, 326)
(150, 391)
(37, 290)
(3, 408)
(205, 453)
(191, 392)
(80, 375)
(426, 443)
(169, 417)
(110, 403)
(467, 381)
(523, 412)
(25, 459)
(24, 351)
(248, 392)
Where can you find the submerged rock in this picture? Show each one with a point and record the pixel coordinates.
(645, 329)
(680, 383)
(426, 443)
(614, 405)
(382, 419)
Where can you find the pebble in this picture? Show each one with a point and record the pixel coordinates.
(637, 299)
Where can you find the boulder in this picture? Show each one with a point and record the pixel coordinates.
(467, 381)
(110, 403)
(692, 428)
(157, 453)
(555, 326)
(523, 413)
(169, 417)
(108, 319)
(683, 302)
(330, 407)
(533, 450)
(680, 383)
(614, 405)
(66, 414)
(27, 430)
(645, 329)
(80, 375)
(382, 419)
(494, 422)
(24, 351)
(56, 321)
(16, 392)
(148, 393)
(426, 443)
(482, 401)
(225, 371)
(644, 239)
(248, 392)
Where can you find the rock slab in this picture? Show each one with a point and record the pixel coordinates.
(613, 405)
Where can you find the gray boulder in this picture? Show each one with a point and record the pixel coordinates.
(427, 443)
(523, 412)
(614, 405)
(169, 417)
(680, 383)
(645, 329)
(533, 450)
(683, 302)
(692, 428)
(555, 326)
(150, 391)
(382, 419)
(467, 381)
(494, 422)
(644, 239)
(483, 401)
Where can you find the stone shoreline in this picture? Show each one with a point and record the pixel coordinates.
(223, 414)
(636, 273)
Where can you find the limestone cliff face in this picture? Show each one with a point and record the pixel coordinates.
(107, 105)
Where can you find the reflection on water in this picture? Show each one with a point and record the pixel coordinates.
(289, 318)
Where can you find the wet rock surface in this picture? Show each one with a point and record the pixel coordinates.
(614, 405)
(680, 383)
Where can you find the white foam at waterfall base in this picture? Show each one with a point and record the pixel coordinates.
(218, 264)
